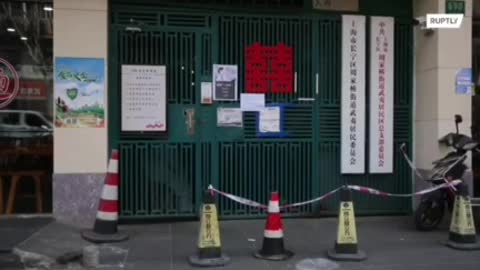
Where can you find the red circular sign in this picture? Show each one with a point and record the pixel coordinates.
(9, 83)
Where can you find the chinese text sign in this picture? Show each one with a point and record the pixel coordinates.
(269, 68)
(144, 98)
(353, 94)
(381, 94)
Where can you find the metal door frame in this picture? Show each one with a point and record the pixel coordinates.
(318, 108)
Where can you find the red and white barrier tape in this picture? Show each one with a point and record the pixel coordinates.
(326, 196)
(259, 205)
(237, 198)
(361, 189)
(412, 166)
(386, 194)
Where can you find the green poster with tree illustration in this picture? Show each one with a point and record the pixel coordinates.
(79, 92)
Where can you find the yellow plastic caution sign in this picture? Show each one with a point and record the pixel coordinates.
(347, 231)
(209, 232)
(462, 219)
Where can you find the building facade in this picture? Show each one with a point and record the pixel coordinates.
(164, 172)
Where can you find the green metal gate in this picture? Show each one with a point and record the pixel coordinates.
(164, 177)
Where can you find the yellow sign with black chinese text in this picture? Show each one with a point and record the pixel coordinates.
(462, 218)
(209, 231)
(347, 231)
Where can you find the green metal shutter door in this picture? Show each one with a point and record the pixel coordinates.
(164, 178)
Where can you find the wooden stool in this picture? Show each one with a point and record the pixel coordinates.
(16, 177)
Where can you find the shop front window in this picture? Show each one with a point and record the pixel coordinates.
(26, 105)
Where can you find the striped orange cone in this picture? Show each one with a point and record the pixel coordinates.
(273, 247)
(105, 228)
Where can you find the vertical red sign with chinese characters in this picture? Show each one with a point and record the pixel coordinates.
(257, 74)
(381, 94)
(269, 69)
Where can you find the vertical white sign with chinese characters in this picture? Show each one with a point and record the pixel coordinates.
(381, 94)
(353, 94)
(144, 101)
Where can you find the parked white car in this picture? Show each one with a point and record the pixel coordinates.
(24, 124)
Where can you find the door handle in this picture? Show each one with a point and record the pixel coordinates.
(190, 121)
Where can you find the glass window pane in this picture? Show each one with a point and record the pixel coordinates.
(33, 120)
(9, 118)
(26, 94)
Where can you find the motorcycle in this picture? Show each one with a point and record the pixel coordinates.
(432, 206)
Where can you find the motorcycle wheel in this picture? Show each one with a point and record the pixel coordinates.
(429, 214)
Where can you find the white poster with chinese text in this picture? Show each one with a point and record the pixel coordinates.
(269, 120)
(229, 117)
(144, 106)
(353, 94)
(381, 94)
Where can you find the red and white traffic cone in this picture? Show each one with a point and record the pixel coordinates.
(273, 248)
(105, 228)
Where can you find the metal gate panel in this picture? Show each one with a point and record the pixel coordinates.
(164, 177)
(256, 166)
(254, 169)
(176, 50)
(158, 179)
(238, 32)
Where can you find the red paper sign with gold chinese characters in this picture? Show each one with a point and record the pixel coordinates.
(269, 69)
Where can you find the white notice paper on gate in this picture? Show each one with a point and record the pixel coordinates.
(206, 92)
(252, 102)
(269, 120)
(353, 94)
(381, 94)
(144, 101)
(229, 117)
